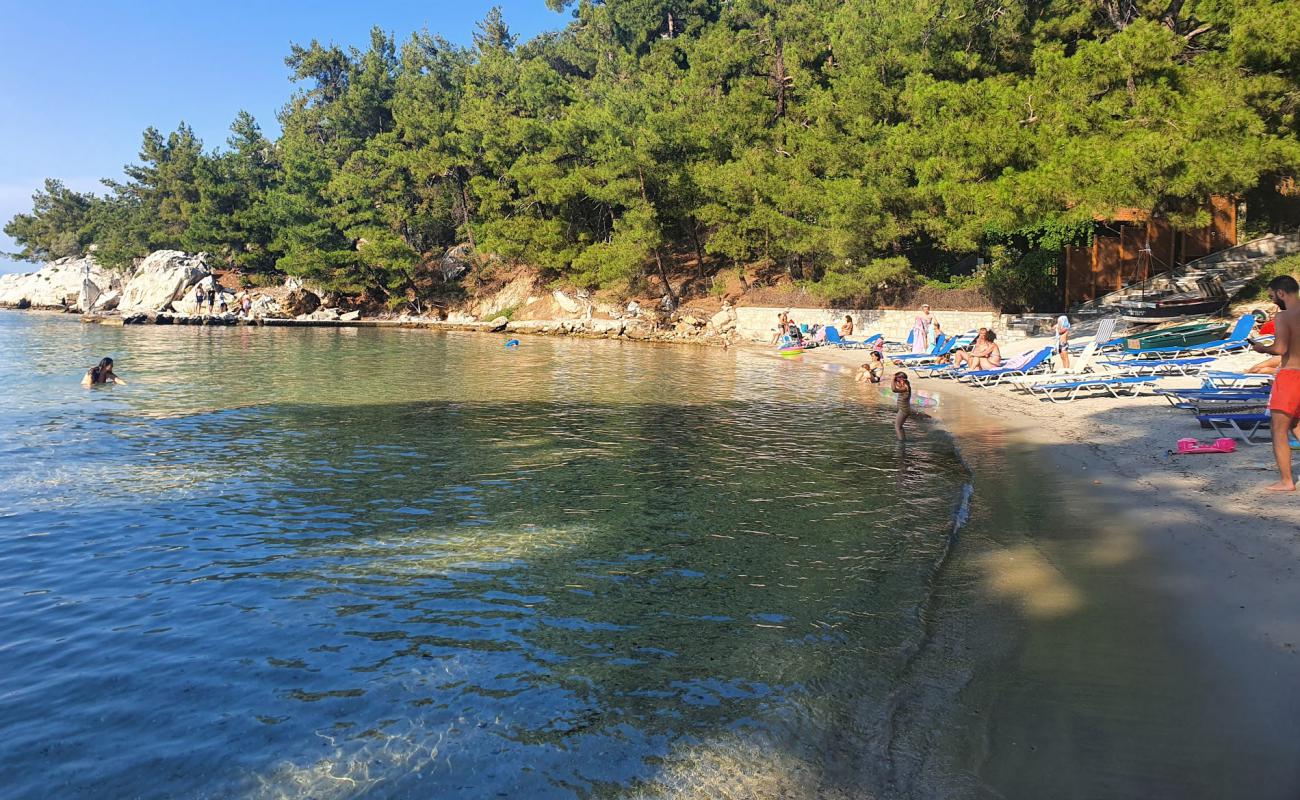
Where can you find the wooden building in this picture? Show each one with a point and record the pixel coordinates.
(1133, 246)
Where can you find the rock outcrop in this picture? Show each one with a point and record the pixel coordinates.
(724, 321)
(301, 301)
(160, 279)
(68, 283)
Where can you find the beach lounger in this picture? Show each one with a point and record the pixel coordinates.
(1177, 396)
(833, 337)
(1160, 366)
(1115, 387)
(1237, 340)
(1020, 366)
(1239, 426)
(1081, 364)
(942, 345)
(1234, 380)
(1103, 339)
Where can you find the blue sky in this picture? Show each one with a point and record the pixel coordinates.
(80, 81)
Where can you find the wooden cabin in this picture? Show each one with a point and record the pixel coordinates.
(1133, 245)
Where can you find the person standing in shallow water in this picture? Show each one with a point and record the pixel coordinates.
(903, 394)
(101, 373)
(1284, 401)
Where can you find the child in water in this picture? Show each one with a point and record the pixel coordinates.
(903, 391)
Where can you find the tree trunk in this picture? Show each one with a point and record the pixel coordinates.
(464, 206)
(699, 251)
(780, 80)
(659, 261)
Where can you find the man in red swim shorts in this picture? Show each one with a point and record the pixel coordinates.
(1284, 403)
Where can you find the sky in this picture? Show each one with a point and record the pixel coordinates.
(80, 81)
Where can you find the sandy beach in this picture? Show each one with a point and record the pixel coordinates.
(1188, 550)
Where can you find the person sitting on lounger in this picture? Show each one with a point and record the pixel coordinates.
(966, 357)
(992, 358)
(847, 330)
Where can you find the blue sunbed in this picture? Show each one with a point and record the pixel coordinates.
(1235, 380)
(1161, 366)
(992, 377)
(1116, 387)
(1240, 426)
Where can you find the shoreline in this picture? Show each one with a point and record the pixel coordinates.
(1150, 573)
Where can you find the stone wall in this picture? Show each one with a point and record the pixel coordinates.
(758, 323)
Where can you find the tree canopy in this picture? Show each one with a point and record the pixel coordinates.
(842, 140)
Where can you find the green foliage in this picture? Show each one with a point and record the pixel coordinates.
(1257, 290)
(877, 279)
(1021, 281)
(59, 225)
(840, 140)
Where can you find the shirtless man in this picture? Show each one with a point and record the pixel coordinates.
(1284, 402)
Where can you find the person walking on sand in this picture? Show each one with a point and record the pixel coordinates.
(1062, 331)
(921, 330)
(1284, 401)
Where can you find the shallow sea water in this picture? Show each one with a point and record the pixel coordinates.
(365, 563)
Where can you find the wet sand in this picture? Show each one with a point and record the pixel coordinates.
(1141, 610)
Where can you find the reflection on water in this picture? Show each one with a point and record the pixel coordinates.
(399, 564)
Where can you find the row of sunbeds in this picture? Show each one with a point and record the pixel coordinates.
(1229, 403)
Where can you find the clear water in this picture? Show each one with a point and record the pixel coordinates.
(361, 563)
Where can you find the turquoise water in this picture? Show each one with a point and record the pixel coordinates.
(365, 563)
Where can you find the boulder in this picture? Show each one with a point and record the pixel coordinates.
(456, 262)
(109, 300)
(161, 278)
(724, 320)
(350, 316)
(569, 304)
(637, 329)
(301, 301)
(266, 308)
(59, 284)
(498, 324)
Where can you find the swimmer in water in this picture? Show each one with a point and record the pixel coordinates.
(903, 392)
(101, 373)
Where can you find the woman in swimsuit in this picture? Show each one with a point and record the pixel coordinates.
(101, 373)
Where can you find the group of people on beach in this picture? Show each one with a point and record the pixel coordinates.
(206, 292)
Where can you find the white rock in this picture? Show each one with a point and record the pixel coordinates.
(350, 316)
(569, 304)
(162, 277)
(724, 320)
(57, 284)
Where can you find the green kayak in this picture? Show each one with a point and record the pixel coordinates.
(1186, 335)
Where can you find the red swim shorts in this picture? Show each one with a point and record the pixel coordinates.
(1286, 393)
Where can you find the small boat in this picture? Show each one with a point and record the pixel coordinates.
(1177, 336)
(1171, 309)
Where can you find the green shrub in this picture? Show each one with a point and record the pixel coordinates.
(1019, 281)
(877, 279)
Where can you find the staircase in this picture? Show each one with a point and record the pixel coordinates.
(1234, 268)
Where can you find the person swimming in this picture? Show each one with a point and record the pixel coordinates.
(101, 373)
